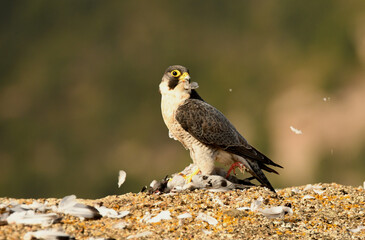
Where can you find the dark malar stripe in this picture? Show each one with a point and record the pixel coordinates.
(173, 83)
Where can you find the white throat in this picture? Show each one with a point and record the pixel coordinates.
(171, 99)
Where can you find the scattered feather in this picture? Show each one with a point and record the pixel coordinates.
(184, 215)
(164, 215)
(120, 225)
(296, 190)
(139, 235)
(207, 232)
(67, 202)
(255, 205)
(107, 212)
(48, 234)
(19, 208)
(38, 206)
(308, 197)
(308, 187)
(318, 191)
(68, 205)
(276, 212)
(35, 205)
(296, 131)
(32, 218)
(315, 188)
(121, 178)
(122, 214)
(111, 213)
(358, 229)
(243, 208)
(206, 218)
(217, 200)
(13, 202)
(147, 216)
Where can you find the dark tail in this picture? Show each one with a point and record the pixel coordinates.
(259, 175)
(256, 161)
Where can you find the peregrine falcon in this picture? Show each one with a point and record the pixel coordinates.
(205, 131)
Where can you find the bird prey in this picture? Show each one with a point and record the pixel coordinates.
(205, 131)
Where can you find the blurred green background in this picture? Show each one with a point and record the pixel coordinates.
(79, 93)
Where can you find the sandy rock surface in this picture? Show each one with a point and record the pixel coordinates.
(320, 211)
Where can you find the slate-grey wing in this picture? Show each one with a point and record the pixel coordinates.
(211, 127)
(206, 124)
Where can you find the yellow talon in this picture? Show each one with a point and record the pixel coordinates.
(190, 176)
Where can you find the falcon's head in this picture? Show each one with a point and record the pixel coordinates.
(176, 81)
(175, 76)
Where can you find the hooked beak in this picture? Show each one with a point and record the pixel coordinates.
(185, 77)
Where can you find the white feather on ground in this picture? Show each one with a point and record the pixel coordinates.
(206, 218)
(164, 215)
(147, 216)
(358, 229)
(68, 205)
(184, 215)
(142, 234)
(35, 205)
(111, 213)
(256, 204)
(269, 212)
(315, 188)
(32, 218)
(120, 225)
(276, 212)
(308, 197)
(47, 234)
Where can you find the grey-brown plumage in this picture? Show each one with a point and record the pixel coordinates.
(204, 130)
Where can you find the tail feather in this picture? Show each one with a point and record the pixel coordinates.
(268, 169)
(255, 161)
(255, 169)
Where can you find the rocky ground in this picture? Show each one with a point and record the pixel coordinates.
(321, 211)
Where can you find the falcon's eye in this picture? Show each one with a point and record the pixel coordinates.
(175, 73)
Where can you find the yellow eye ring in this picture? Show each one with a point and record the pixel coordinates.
(175, 73)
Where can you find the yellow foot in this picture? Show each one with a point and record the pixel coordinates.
(190, 176)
